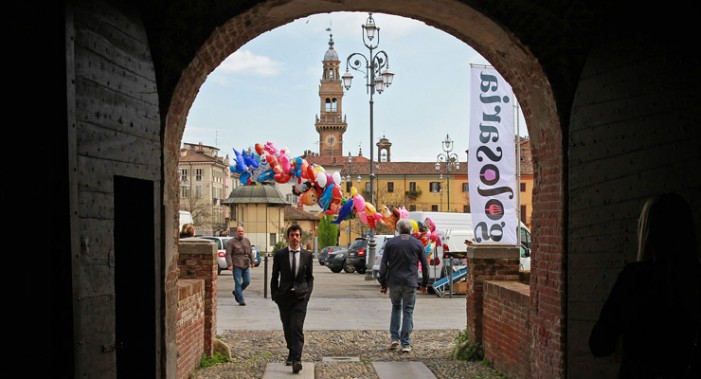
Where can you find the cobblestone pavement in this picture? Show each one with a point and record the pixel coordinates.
(253, 350)
(347, 317)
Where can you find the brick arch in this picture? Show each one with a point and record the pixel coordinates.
(513, 60)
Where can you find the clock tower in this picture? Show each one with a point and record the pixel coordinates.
(331, 123)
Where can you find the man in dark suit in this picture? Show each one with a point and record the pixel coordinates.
(290, 287)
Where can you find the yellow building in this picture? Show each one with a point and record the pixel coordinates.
(417, 186)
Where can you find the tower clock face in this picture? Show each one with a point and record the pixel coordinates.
(330, 140)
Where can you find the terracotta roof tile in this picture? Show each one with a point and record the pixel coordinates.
(293, 213)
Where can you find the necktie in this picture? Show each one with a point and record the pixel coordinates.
(294, 262)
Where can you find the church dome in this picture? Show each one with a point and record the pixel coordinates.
(331, 54)
(259, 194)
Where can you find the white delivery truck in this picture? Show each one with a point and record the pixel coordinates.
(454, 230)
(185, 218)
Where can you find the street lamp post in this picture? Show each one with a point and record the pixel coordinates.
(450, 159)
(377, 78)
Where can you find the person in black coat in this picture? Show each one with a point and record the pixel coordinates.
(290, 287)
(653, 312)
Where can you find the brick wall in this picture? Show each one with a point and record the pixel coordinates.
(485, 263)
(196, 325)
(189, 335)
(507, 328)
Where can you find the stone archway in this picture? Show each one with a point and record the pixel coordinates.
(508, 55)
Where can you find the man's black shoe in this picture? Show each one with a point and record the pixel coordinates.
(242, 304)
(296, 367)
(288, 363)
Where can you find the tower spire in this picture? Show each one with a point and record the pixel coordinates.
(331, 123)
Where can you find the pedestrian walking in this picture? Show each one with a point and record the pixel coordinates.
(291, 286)
(399, 272)
(239, 259)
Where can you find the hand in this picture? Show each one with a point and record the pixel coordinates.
(422, 289)
(383, 289)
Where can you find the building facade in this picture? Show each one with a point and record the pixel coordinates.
(417, 186)
(205, 180)
(260, 209)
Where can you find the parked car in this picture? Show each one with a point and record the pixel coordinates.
(256, 256)
(336, 261)
(356, 260)
(325, 252)
(221, 251)
(380, 241)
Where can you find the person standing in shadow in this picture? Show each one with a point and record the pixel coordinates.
(291, 286)
(653, 312)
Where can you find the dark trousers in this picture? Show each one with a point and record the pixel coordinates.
(293, 311)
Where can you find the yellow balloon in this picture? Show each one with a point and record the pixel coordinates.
(353, 191)
(370, 209)
(415, 225)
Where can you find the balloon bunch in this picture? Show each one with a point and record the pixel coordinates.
(426, 233)
(367, 213)
(268, 164)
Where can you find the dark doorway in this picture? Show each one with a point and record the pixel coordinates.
(135, 277)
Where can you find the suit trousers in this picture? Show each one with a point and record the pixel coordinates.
(293, 311)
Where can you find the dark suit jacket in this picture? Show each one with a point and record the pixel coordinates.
(282, 280)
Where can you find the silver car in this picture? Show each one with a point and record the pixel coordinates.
(221, 251)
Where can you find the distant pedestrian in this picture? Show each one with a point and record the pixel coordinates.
(291, 286)
(653, 312)
(399, 271)
(239, 259)
(187, 231)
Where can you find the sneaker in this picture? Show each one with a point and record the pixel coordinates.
(406, 349)
(393, 345)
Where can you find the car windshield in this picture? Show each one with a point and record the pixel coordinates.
(358, 243)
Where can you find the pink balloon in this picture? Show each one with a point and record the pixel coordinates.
(378, 217)
(285, 163)
(363, 217)
(431, 225)
(359, 203)
(434, 236)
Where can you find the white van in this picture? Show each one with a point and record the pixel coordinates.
(185, 218)
(454, 230)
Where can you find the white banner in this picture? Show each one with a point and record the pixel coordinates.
(491, 158)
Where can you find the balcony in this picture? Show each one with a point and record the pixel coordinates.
(413, 195)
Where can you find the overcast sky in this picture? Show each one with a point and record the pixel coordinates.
(267, 91)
